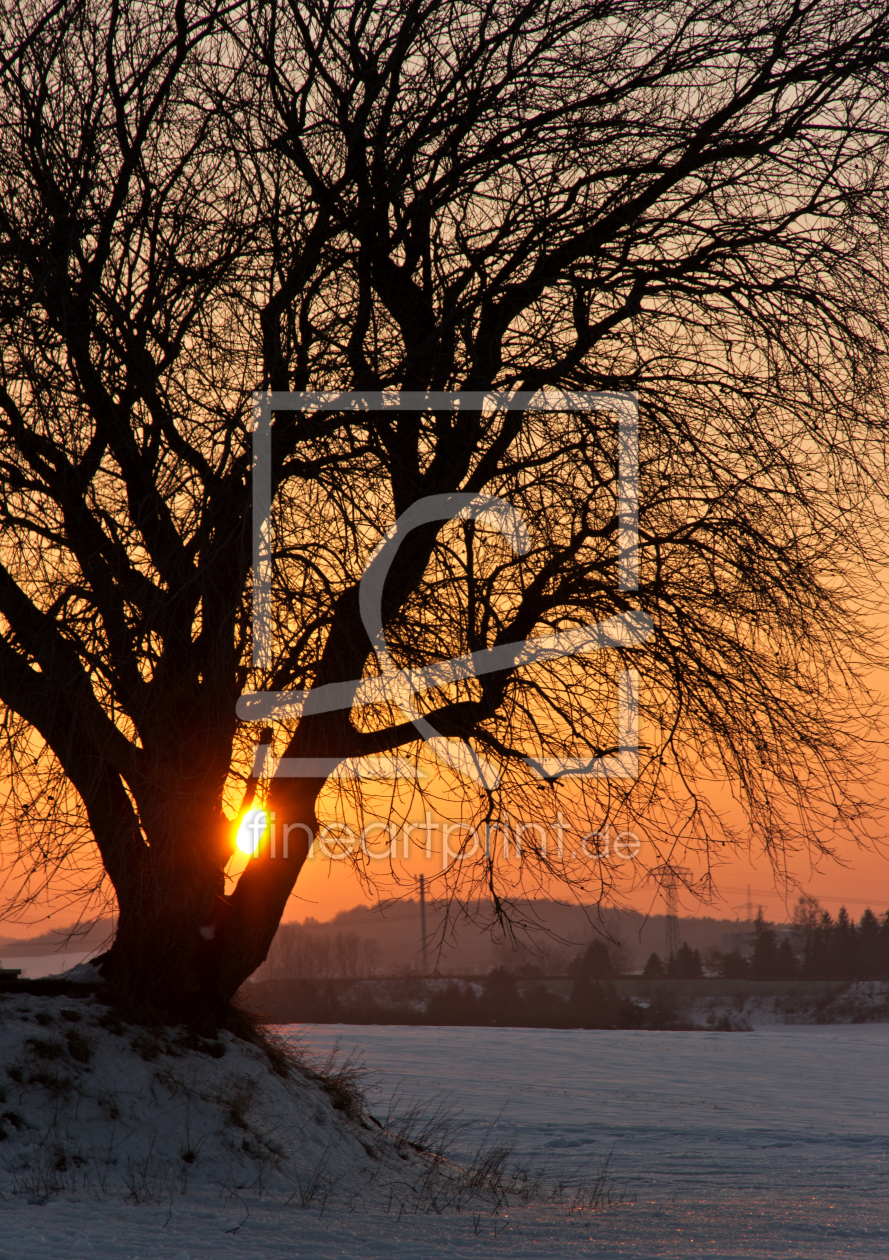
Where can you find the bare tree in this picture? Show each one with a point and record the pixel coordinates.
(202, 202)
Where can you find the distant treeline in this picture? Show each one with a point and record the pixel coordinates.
(503, 998)
(815, 947)
(819, 948)
(299, 953)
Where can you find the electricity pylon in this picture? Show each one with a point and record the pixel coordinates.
(670, 878)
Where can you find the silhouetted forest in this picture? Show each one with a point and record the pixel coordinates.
(815, 947)
(503, 998)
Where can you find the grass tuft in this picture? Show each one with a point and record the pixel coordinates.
(80, 1048)
(45, 1049)
(238, 1101)
(146, 1046)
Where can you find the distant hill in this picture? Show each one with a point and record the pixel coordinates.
(549, 934)
(61, 940)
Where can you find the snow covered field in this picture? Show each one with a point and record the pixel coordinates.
(771, 1142)
(766, 1143)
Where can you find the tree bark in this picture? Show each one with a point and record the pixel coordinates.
(183, 947)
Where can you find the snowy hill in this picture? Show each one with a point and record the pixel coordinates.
(95, 1107)
(122, 1142)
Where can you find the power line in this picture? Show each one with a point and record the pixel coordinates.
(851, 901)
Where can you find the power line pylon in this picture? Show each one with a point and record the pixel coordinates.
(671, 878)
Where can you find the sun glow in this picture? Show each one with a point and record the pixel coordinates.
(254, 826)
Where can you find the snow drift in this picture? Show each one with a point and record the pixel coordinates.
(94, 1106)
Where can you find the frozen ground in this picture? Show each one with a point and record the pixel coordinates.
(864, 1002)
(766, 1143)
(770, 1142)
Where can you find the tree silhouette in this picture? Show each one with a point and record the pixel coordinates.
(203, 201)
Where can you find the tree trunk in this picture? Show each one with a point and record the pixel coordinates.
(183, 947)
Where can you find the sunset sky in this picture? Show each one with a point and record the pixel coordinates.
(860, 877)
(327, 887)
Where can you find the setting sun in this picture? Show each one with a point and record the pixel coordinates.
(253, 827)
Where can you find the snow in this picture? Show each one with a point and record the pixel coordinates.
(769, 1142)
(96, 1114)
(772, 1142)
(865, 1001)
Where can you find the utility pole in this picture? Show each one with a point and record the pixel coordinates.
(423, 923)
(671, 935)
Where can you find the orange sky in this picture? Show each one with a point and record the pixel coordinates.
(858, 880)
(324, 888)
(327, 887)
